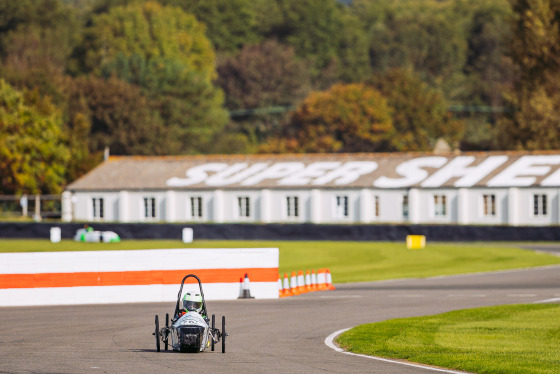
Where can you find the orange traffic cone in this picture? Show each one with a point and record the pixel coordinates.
(329, 281)
(321, 280)
(287, 290)
(301, 282)
(313, 280)
(293, 284)
(308, 282)
(246, 288)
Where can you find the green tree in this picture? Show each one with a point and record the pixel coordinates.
(346, 118)
(420, 114)
(33, 153)
(324, 33)
(418, 34)
(165, 51)
(230, 24)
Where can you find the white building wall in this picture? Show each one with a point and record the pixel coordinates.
(513, 206)
(526, 207)
(426, 204)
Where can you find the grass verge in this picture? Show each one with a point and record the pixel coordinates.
(348, 261)
(520, 338)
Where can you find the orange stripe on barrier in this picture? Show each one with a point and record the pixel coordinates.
(134, 278)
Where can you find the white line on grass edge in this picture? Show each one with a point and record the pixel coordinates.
(329, 341)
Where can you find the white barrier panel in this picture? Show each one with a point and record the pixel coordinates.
(101, 277)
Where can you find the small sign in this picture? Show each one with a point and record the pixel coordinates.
(415, 241)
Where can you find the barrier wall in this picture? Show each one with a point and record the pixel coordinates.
(103, 277)
(248, 231)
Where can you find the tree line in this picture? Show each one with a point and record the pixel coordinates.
(168, 77)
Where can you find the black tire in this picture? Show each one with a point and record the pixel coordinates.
(224, 334)
(157, 334)
(167, 331)
(213, 327)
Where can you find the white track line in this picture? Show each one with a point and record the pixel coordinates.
(329, 341)
(553, 300)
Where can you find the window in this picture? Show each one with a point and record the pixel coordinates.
(149, 207)
(376, 205)
(244, 205)
(196, 207)
(292, 206)
(405, 206)
(341, 206)
(97, 207)
(539, 205)
(440, 205)
(489, 205)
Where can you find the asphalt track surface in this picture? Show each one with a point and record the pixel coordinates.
(266, 336)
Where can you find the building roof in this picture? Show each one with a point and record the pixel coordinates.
(359, 170)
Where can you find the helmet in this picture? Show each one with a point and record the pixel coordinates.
(192, 302)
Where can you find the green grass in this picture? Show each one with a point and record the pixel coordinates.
(348, 261)
(502, 339)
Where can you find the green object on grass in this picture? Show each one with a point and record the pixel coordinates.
(521, 338)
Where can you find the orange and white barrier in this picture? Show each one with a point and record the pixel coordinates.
(104, 277)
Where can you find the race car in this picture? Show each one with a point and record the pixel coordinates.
(190, 328)
(89, 235)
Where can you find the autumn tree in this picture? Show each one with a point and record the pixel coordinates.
(33, 153)
(534, 122)
(346, 118)
(420, 113)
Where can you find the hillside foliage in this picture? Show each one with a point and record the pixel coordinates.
(171, 77)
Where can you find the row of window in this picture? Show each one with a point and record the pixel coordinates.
(341, 206)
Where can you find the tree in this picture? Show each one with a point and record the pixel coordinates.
(230, 24)
(322, 32)
(165, 51)
(419, 34)
(33, 154)
(420, 114)
(263, 75)
(120, 117)
(346, 118)
(534, 122)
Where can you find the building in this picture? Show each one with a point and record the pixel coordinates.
(495, 188)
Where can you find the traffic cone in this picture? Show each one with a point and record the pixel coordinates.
(313, 280)
(293, 284)
(287, 290)
(329, 281)
(246, 289)
(301, 282)
(321, 280)
(280, 287)
(308, 282)
(240, 287)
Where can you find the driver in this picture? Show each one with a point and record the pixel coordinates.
(192, 302)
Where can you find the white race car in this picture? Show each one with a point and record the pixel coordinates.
(190, 331)
(91, 236)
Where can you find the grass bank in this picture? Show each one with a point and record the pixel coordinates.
(348, 261)
(502, 339)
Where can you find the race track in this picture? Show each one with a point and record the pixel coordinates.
(266, 336)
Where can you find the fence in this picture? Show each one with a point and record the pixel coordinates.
(37, 207)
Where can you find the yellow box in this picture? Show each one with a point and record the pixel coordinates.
(415, 241)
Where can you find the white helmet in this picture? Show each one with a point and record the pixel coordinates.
(192, 302)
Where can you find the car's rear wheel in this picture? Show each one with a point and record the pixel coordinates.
(213, 327)
(224, 334)
(167, 331)
(156, 333)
